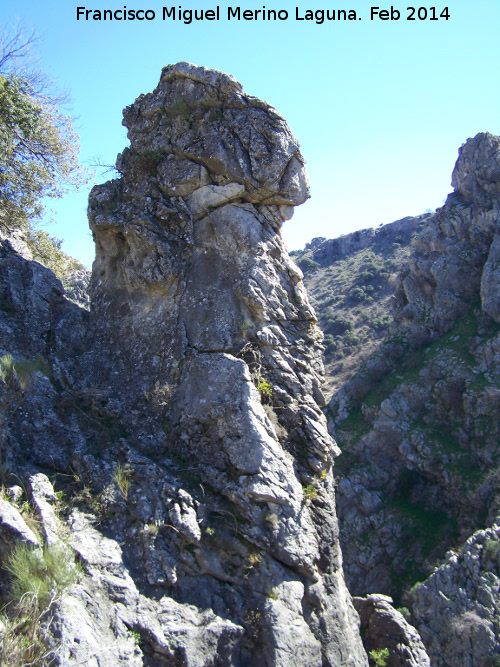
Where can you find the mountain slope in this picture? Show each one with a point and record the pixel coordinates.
(351, 282)
(419, 423)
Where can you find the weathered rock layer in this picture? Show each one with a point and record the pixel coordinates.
(419, 426)
(205, 349)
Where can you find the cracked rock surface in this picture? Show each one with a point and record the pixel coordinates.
(201, 321)
(419, 428)
(182, 419)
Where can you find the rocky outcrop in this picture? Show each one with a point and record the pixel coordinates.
(418, 424)
(193, 285)
(36, 316)
(188, 423)
(385, 629)
(13, 529)
(456, 609)
(451, 254)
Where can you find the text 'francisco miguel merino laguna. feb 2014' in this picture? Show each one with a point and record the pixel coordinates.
(319, 16)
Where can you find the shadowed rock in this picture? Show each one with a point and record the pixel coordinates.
(205, 342)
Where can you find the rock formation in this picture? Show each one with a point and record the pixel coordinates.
(457, 607)
(455, 259)
(187, 419)
(167, 451)
(419, 427)
(385, 629)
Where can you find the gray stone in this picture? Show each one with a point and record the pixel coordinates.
(14, 493)
(211, 122)
(490, 281)
(456, 609)
(42, 495)
(208, 197)
(93, 620)
(13, 529)
(291, 639)
(191, 268)
(384, 627)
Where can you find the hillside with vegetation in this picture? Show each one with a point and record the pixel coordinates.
(418, 480)
(351, 282)
(171, 492)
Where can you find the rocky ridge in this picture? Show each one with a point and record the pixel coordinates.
(350, 281)
(180, 422)
(418, 426)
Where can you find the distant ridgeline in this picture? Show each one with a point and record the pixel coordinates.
(351, 282)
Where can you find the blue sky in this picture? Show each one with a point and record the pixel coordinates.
(380, 107)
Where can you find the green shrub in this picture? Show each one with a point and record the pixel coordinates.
(337, 324)
(379, 656)
(491, 548)
(308, 265)
(148, 161)
(264, 387)
(350, 339)
(357, 294)
(405, 612)
(330, 344)
(46, 249)
(379, 323)
(38, 576)
(366, 276)
(310, 492)
(121, 477)
(136, 636)
(413, 589)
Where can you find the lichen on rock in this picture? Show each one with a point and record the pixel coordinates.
(419, 427)
(204, 340)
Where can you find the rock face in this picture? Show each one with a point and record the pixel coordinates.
(201, 316)
(189, 420)
(450, 265)
(457, 607)
(419, 423)
(383, 627)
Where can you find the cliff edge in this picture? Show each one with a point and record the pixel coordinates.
(186, 429)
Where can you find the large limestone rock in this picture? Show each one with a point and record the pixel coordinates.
(419, 425)
(456, 609)
(206, 349)
(477, 173)
(383, 627)
(449, 266)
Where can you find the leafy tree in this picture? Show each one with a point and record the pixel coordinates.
(38, 146)
(46, 249)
